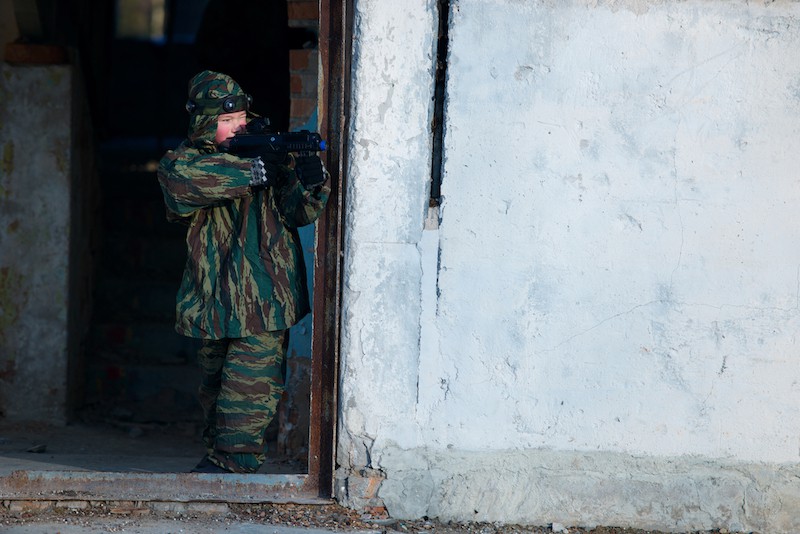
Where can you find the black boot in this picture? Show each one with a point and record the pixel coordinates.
(207, 466)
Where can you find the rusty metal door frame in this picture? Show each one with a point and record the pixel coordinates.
(335, 38)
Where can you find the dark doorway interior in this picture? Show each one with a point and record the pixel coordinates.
(141, 376)
(137, 397)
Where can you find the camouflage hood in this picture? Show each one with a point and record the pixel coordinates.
(211, 94)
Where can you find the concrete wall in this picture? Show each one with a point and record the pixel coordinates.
(599, 324)
(35, 191)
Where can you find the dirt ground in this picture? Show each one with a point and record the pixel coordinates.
(329, 517)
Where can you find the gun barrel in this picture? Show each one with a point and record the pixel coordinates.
(303, 141)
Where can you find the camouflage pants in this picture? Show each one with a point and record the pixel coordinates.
(242, 382)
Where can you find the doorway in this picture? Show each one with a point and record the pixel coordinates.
(140, 376)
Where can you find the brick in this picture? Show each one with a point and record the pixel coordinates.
(296, 84)
(303, 107)
(376, 512)
(303, 10)
(364, 487)
(303, 85)
(34, 54)
(372, 488)
(301, 59)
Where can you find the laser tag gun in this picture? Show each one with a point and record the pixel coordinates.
(259, 140)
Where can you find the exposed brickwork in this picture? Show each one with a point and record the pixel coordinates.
(359, 490)
(303, 65)
(300, 59)
(302, 109)
(303, 10)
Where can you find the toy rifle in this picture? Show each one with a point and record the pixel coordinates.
(257, 139)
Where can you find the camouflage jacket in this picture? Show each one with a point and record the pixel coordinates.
(244, 272)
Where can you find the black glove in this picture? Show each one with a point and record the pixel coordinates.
(309, 170)
(274, 158)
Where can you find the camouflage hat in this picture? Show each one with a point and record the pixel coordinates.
(214, 93)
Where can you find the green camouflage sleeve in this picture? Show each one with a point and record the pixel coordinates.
(191, 180)
(300, 206)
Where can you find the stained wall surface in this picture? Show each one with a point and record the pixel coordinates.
(35, 190)
(598, 324)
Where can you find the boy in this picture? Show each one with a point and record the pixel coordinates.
(244, 283)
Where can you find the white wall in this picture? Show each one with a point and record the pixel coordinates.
(601, 327)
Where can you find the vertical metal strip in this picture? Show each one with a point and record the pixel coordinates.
(335, 36)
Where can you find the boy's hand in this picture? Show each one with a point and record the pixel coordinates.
(309, 170)
(263, 174)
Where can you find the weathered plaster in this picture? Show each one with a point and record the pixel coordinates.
(612, 274)
(590, 489)
(386, 205)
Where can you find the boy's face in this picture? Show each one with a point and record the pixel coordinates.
(228, 124)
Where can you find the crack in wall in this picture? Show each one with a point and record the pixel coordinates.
(600, 323)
